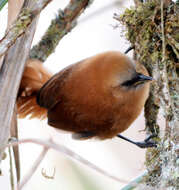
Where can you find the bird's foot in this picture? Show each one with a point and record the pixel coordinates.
(144, 144)
(129, 49)
(147, 143)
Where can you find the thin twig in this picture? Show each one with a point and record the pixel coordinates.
(14, 134)
(11, 169)
(24, 19)
(66, 151)
(59, 27)
(33, 169)
(132, 185)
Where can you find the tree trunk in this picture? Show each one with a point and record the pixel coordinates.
(153, 29)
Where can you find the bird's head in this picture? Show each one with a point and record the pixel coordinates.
(122, 72)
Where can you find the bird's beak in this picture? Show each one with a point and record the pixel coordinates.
(144, 78)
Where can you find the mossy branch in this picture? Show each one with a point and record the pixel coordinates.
(59, 27)
(24, 19)
(10, 75)
(152, 28)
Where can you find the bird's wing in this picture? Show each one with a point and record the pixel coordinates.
(50, 94)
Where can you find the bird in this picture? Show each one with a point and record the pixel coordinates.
(98, 97)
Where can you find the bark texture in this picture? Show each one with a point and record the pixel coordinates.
(153, 29)
(10, 76)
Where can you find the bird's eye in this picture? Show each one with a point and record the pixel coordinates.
(130, 82)
(137, 80)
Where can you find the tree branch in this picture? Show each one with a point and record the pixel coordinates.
(14, 7)
(134, 183)
(59, 27)
(153, 28)
(33, 169)
(14, 134)
(24, 19)
(11, 169)
(66, 151)
(10, 76)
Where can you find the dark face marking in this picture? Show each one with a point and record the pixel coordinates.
(136, 80)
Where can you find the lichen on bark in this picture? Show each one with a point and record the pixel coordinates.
(64, 22)
(153, 30)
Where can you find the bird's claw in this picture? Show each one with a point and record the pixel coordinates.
(147, 143)
(150, 137)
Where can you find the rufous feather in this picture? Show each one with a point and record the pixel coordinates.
(35, 75)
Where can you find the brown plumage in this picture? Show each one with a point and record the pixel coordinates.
(98, 97)
(35, 75)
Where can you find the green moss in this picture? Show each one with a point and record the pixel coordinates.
(64, 22)
(25, 19)
(143, 30)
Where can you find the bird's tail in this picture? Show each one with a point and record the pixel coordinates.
(34, 77)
